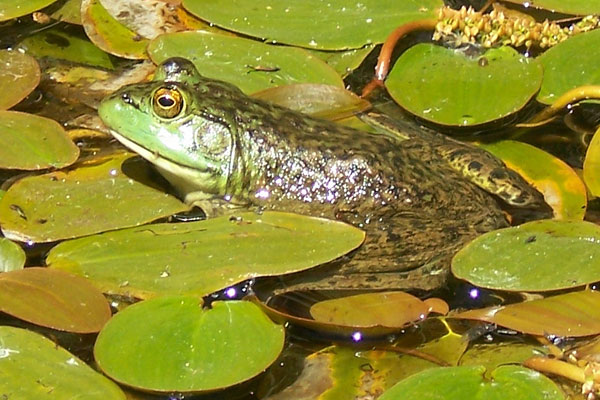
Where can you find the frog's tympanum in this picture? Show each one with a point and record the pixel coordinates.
(418, 195)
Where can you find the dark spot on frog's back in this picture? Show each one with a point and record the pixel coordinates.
(475, 166)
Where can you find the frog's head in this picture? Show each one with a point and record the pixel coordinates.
(171, 121)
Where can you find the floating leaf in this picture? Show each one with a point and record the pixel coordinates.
(202, 257)
(536, 256)
(492, 355)
(12, 256)
(570, 315)
(93, 198)
(53, 299)
(250, 65)
(336, 25)
(591, 165)
(31, 142)
(447, 87)
(575, 7)
(389, 309)
(69, 12)
(34, 367)
(457, 383)
(19, 75)
(562, 188)
(62, 45)
(10, 9)
(325, 101)
(189, 349)
(570, 64)
(344, 62)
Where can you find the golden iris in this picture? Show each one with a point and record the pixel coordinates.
(167, 102)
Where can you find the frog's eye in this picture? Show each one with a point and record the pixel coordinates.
(167, 102)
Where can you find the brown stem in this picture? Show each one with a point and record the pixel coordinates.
(557, 367)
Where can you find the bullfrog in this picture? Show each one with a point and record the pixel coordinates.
(418, 194)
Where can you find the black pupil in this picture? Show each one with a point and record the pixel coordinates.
(166, 101)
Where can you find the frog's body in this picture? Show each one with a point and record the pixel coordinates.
(418, 195)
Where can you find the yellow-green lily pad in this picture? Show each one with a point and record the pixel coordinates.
(31, 142)
(469, 382)
(536, 256)
(34, 367)
(591, 165)
(562, 188)
(202, 257)
(19, 75)
(172, 344)
(69, 12)
(331, 25)
(93, 198)
(12, 256)
(575, 7)
(248, 64)
(570, 64)
(448, 87)
(10, 9)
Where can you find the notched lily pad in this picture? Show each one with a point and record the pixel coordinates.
(53, 299)
(34, 367)
(202, 257)
(30, 142)
(12, 256)
(189, 349)
(248, 64)
(95, 197)
(447, 87)
(536, 256)
(19, 75)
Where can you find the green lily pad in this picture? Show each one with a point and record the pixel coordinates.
(188, 348)
(19, 75)
(109, 34)
(34, 367)
(248, 64)
(93, 198)
(10, 9)
(536, 256)
(492, 355)
(562, 188)
(447, 87)
(31, 142)
(69, 12)
(572, 314)
(469, 382)
(53, 299)
(202, 257)
(344, 62)
(591, 165)
(61, 45)
(570, 64)
(335, 25)
(12, 256)
(575, 7)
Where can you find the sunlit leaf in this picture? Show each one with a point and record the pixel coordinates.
(562, 188)
(10, 9)
(31, 142)
(536, 256)
(172, 344)
(335, 25)
(570, 314)
(458, 383)
(53, 299)
(492, 355)
(202, 257)
(591, 166)
(19, 75)
(449, 88)
(92, 198)
(576, 7)
(34, 367)
(344, 62)
(248, 64)
(12, 256)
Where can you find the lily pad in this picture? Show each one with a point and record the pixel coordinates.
(457, 383)
(69, 12)
(12, 256)
(10, 9)
(562, 188)
(447, 87)
(189, 349)
(93, 198)
(572, 314)
(19, 75)
(31, 142)
(202, 257)
(334, 25)
(570, 64)
(248, 64)
(536, 256)
(575, 7)
(346, 61)
(53, 299)
(591, 165)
